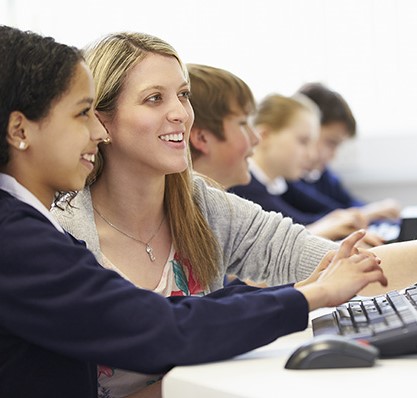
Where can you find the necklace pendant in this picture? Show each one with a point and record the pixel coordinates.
(149, 250)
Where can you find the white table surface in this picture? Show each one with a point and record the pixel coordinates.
(261, 373)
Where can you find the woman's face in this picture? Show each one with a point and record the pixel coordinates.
(288, 152)
(151, 126)
(61, 147)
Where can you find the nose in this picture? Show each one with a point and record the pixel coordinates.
(98, 131)
(178, 112)
(254, 136)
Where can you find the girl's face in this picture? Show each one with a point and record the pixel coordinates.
(229, 158)
(288, 152)
(151, 126)
(62, 146)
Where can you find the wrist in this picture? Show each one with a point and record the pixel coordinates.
(315, 295)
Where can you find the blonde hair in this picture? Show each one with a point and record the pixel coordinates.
(110, 60)
(277, 111)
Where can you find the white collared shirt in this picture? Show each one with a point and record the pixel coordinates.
(277, 186)
(10, 185)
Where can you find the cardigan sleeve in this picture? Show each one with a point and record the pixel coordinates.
(259, 244)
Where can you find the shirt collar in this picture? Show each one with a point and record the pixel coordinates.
(277, 186)
(313, 175)
(10, 185)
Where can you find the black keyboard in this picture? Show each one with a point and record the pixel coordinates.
(389, 321)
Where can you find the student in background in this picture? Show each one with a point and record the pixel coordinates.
(288, 127)
(61, 313)
(321, 190)
(144, 215)
(222, 141)
(221, 138)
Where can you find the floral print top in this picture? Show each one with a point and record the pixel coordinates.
(177, 280)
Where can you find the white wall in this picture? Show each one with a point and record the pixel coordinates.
(365, 49)
(381, 166)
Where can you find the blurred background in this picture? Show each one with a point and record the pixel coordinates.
(364, 49)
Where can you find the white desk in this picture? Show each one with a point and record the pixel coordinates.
(261, 374)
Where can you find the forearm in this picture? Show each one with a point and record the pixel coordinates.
(399, 262)
(316, 296)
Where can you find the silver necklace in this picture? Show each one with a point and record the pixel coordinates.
(148, 247)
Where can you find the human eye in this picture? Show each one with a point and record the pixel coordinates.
(85, 112)
(186, 94)
(245, 126)
(154, 98)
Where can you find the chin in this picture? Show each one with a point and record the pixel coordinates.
(77, 185)
(181, 167)
(175, 170)
(293, 177)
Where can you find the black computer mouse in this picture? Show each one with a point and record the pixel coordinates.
(332, 351)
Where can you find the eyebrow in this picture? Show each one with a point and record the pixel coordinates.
(156, 87)
(159, 87)
(87, 100)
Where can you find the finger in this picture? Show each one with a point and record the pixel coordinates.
(369, 253)
(377, 276)
(355, 250)
(373, 239)
(365, 262)
(327, 259)
(369, 268)
(361, 257)
(347, 245)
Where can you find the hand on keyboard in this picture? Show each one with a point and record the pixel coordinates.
(341, 275)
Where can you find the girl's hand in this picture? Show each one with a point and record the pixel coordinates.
(348, 271)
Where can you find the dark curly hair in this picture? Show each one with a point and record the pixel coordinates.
(35, 72)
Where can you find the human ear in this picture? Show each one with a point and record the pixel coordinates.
(16, 136)
(198, 139)
(263, 131)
